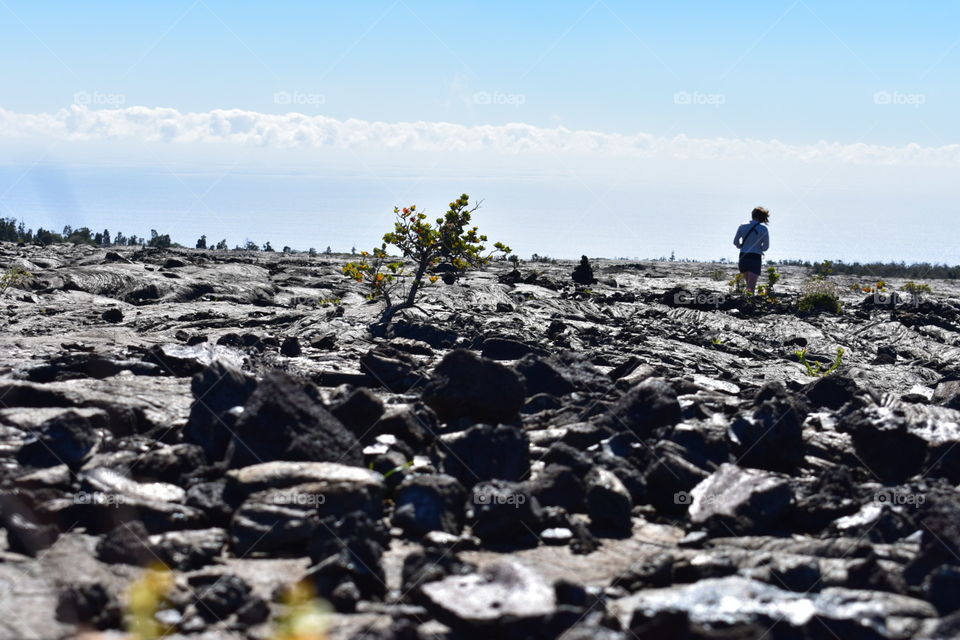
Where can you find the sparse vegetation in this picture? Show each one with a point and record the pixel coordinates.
(914, 288)
(824, 268)
(819, 295)
(737, 284)
(819, 369)
(13, 277)
(450, 241)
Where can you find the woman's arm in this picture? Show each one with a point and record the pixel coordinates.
(765, 243)
(737, 239)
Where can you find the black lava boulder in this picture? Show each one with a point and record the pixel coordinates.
(645, 408)
(284, 420)
(465, 385)
(66, 439)
(484, 452)
(427, 503)
(217, 389)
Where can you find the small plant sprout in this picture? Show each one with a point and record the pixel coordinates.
(819, 369)
(773, 277)
(738, 284)
(450, 241)
(406, 465)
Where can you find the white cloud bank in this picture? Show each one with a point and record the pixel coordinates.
(298, 131)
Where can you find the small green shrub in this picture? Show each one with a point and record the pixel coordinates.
(824, 268)
(819, 295)
(916, 289)
(773, 277)
(12, 277)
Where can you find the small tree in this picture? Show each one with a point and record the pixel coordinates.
(222, 245)
(202, 242)
(451, 240)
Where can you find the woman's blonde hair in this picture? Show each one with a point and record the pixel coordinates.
(761, 215)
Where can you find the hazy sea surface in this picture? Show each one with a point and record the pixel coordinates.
(562, 216)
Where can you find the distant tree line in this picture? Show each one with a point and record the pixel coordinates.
(916, 270)
(13, 230)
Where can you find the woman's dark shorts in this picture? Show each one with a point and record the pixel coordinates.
(751, 263)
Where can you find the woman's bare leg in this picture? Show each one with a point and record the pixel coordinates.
(752, 281)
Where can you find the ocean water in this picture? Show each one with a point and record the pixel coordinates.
(557, 213)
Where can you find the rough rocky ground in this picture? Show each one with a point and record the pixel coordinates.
(520, 457)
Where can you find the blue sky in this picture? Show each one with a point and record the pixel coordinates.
(680, 79)
(796, 71)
